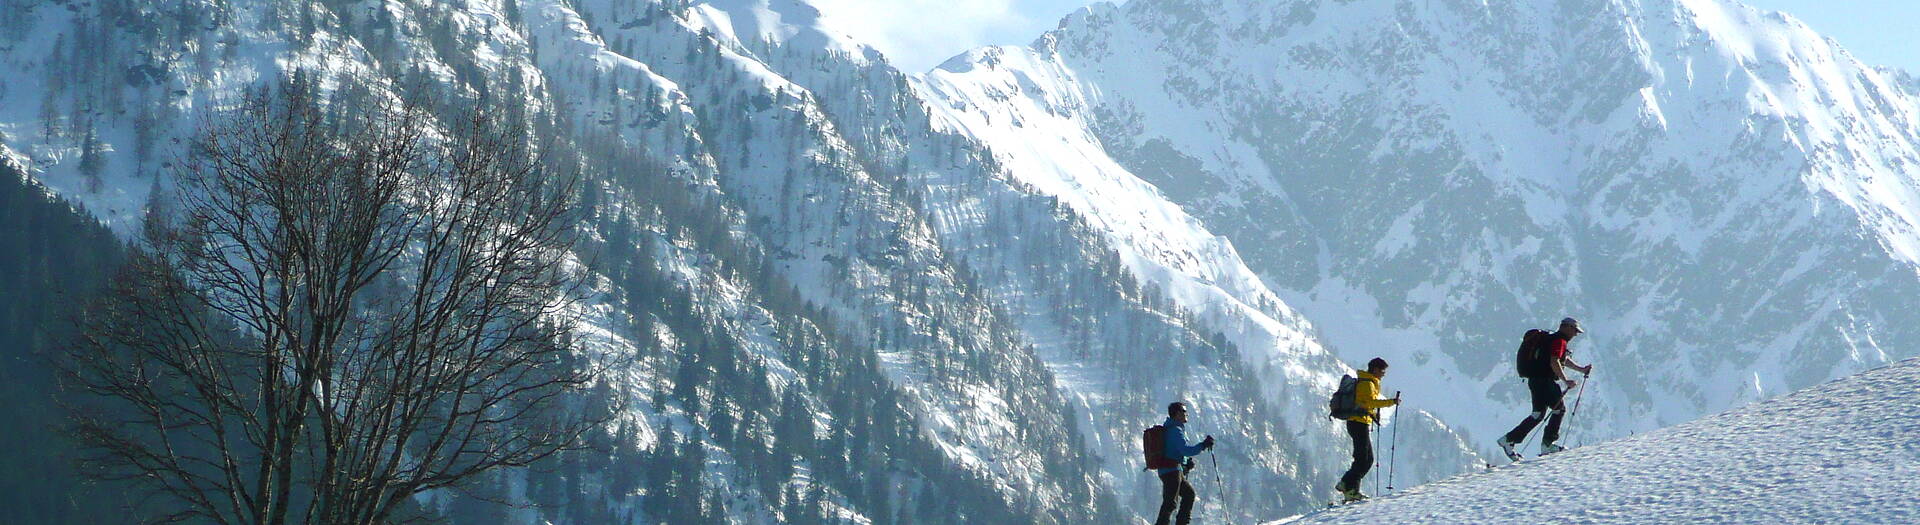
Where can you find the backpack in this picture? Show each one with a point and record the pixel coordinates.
(1346, 400)
(1153, 442)
(1532, 360)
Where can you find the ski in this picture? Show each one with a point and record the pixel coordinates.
(1338, 503)
(1518, 458)
(1512, 462)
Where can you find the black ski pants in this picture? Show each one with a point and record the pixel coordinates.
(1547, 403)
(1362, 456)
(1174, 485)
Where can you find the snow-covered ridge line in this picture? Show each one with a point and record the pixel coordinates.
(1709, 186)
(1048, 147)
(648, 95)
(1843, 452)
(1032, 114)
(1034, 248)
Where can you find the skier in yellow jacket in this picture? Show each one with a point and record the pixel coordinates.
(1367, 395)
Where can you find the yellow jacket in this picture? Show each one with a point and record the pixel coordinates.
(1366, 393)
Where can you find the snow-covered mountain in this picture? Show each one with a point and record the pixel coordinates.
(1726, 199)
(825, 303)
(1837, 453)
(1041, 143)
(1905, 79)
(838, 293)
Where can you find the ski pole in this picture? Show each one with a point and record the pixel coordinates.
(1544, 416)
(1376, 458)
(1217, 486)
(1530, 432)
(1578, 397)
(1393, 446)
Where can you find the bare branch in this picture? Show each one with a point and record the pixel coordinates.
(339, 315)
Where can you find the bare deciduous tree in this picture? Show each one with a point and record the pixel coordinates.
(337, 315)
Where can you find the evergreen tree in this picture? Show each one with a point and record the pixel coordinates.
(92, 160)
(51, 258)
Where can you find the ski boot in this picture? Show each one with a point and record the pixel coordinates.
(1550, 448)
(1346, 495)
(1507, 447)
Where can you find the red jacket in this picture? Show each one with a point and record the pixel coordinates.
(1557, 352)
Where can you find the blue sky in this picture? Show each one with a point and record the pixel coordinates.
(1878, 32)
(919, 34)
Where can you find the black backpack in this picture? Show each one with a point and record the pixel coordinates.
(1346, 401)
(1532, 360)
(1153, 442)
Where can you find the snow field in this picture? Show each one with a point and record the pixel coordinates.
(1844, 452)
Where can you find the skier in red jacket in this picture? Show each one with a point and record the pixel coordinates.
(1544, 381)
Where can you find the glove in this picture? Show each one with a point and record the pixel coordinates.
(1188, 466)
(1570, 384)
(1207, 443)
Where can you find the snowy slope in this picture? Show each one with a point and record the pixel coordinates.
(1039, 133)
(1843, 452)
(735, 332)
(837, 292)
(1706, 185)
(1904, 79)
(825, 301)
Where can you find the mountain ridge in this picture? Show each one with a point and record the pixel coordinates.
(838, 292)
(818, 307)
(1426, 180)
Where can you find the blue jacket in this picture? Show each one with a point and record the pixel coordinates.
(1177, 448)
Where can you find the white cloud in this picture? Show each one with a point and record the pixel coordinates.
(918, 34)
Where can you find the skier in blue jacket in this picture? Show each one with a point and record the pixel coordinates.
(1173, 480)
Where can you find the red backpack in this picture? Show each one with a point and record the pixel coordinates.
(1153, 442)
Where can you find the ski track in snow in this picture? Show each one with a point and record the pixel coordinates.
(1844, 452)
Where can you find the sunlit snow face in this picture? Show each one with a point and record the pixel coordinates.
(917, 34)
